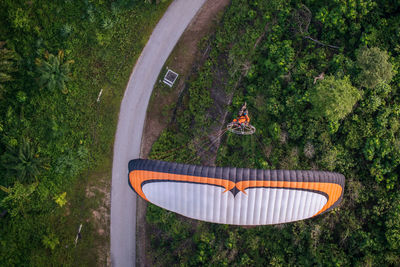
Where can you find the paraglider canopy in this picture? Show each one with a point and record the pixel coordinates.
(238, 196)
(241, 125)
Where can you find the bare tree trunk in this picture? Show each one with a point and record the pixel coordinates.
(320, 77)
(318, 42)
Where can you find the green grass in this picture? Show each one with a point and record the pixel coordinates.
(72, 131)
(111, 73)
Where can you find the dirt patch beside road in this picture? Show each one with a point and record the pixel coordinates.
(181, 60)
(164, 98)
(98, 194)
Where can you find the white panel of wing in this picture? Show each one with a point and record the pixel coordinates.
(284, 208)
(289, 210)
(257, 207)
(296, 205)
(250, 218)
(271, 206)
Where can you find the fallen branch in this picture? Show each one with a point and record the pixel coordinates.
(78, 235)
(320, 77)
(261, 36)
(318, 42)
(5, 189)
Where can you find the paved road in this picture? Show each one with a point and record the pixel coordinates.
(130, 125)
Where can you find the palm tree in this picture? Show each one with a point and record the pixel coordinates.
(7, 64)
(22, 162)
(54, 72)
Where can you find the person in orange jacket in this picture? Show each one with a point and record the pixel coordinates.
(243, 118)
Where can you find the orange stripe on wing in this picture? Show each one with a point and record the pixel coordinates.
(137, 177)
(334, 191)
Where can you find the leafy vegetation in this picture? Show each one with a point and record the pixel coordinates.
(22, 163)
(55, 57)
(333, 98)
(375, 67)
(54, 72)
(7, 65)
(268, 53)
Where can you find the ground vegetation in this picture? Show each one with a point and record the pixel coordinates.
(56, 129)
(346, 120)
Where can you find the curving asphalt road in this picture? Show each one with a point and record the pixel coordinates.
(131, 121)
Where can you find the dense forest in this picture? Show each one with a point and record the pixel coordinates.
(55, 58)
(321, 82)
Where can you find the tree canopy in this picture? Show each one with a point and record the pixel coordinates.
(375, 66)
(333, 98)
(335, 125)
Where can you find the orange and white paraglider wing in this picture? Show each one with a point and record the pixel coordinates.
(235, 195)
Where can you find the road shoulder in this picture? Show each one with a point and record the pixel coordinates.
(182, 59)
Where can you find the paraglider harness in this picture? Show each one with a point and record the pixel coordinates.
(243, 118)
(241, 125)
